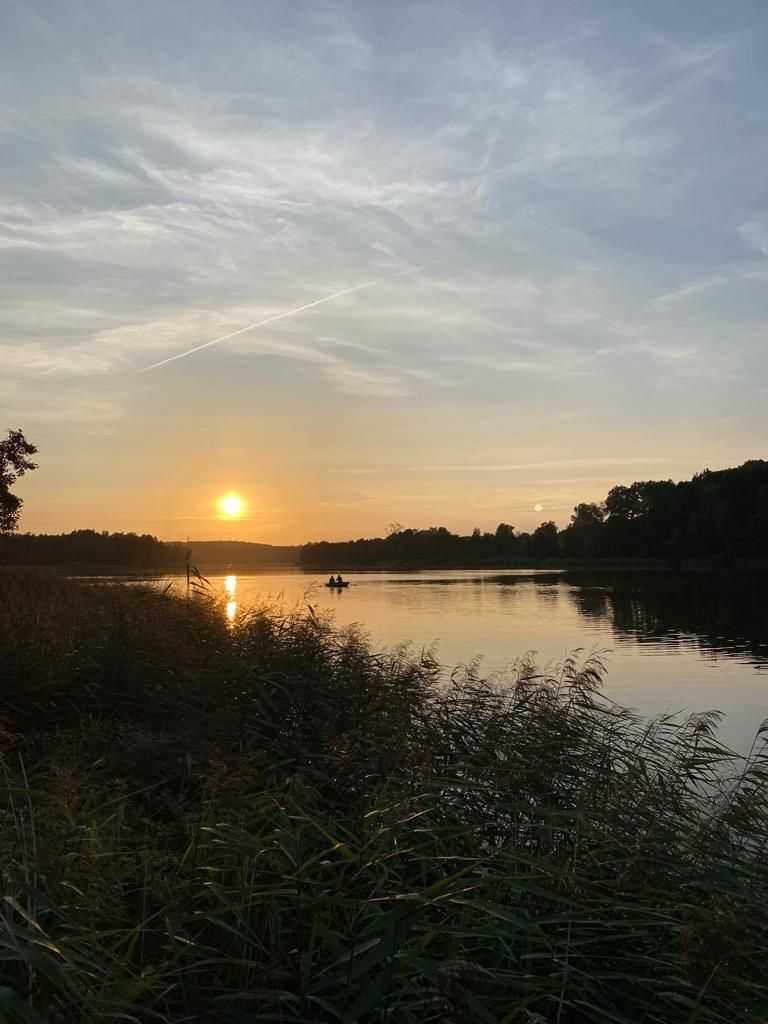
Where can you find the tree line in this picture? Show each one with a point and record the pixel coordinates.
(91, 547)
(719, 517)
(136, 551)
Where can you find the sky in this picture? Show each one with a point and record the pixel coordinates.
(500, 256)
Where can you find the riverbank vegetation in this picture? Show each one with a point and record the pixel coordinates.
(131, 552)
(267, 821)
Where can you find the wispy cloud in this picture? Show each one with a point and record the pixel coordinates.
(73, 411)
(366, 383)
(689, 290)
(649, 460)
(755, 232)
(90, 171)
(575, 187)
(260, 323)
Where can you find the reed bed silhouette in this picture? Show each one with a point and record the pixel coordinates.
(268, 820)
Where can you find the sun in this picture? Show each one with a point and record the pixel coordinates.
(231, 506)
(538, 507)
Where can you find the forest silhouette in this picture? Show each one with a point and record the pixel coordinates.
(718, 518)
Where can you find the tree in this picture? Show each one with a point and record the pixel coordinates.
(625, 503)
(587, 514)
(581, 539)
(544, 540)
(14, 462)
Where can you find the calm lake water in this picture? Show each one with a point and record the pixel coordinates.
(674, 644)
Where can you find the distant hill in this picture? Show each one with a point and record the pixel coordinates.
(240, 554)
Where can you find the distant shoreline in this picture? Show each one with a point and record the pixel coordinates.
(560, 566)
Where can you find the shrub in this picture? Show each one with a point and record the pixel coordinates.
(271, 821)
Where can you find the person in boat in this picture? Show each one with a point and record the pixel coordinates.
(331, 581)
(339, 581)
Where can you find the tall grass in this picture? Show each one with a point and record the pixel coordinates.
(271, 822)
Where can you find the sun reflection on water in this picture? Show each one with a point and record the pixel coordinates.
(230, 589)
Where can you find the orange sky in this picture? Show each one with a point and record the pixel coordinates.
(336, 474)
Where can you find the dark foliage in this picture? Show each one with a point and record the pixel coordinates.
(717, 518)
(132, 551)
(14, 462)
(267, 821)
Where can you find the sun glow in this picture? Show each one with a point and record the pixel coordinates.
(231, 506)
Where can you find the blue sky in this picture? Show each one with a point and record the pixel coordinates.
(561, 209)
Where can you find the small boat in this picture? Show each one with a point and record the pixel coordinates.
(337, 586)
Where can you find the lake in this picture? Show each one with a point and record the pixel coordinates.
(672, 643)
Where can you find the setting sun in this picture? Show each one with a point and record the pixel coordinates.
(231, 506)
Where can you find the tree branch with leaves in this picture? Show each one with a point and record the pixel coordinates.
(14, 462)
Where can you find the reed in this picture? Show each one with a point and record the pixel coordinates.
(270, 821)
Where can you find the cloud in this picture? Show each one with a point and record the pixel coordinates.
(261, 323)
(514, 467)
(523, 467)
(69, 410)
(684, 293)
(708, 56)
(552, 185)
(34, 357)
(355, 381)
(345, 343)
(550, 367)
(755, 233)
(90, 171)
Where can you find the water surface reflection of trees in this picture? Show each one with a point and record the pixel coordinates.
(723, 614)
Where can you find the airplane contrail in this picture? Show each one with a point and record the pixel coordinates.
(268, 320)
